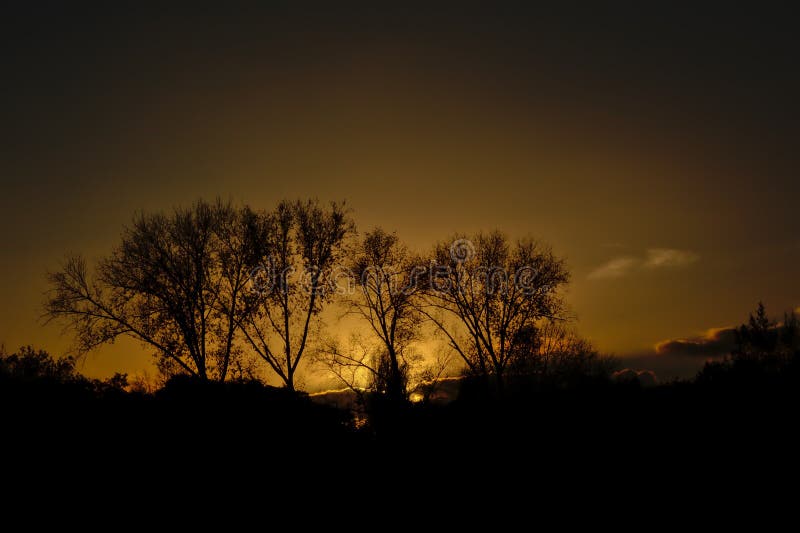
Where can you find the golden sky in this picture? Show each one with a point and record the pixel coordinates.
(657, 152)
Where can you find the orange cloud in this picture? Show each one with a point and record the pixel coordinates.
(715, 342)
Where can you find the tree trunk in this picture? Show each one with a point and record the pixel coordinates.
(395, 392)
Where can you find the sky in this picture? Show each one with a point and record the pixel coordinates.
(655, 148)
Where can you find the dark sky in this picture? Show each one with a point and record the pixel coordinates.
(656, 148)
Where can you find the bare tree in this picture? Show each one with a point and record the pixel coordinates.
(304, 243)
(175, 283)
(483, 293)
(365, 367)
(385, 278)
(555, 352)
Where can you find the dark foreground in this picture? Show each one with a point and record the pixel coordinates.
(725, 424)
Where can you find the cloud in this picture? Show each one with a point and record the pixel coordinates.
(714, 343)
(677, 358)
(646, 378)
(615, 268)
(654, 258)
(666, 368)
(669, 258)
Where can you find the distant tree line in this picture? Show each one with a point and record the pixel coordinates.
(37, 369)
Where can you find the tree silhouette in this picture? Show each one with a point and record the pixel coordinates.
(303, 244)
(767, 352)
(384, 272)
(33, 371)
(495, 290)
(176, 283)
(28, 364)
(554, 352)
(758, 337)
(764, 339)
